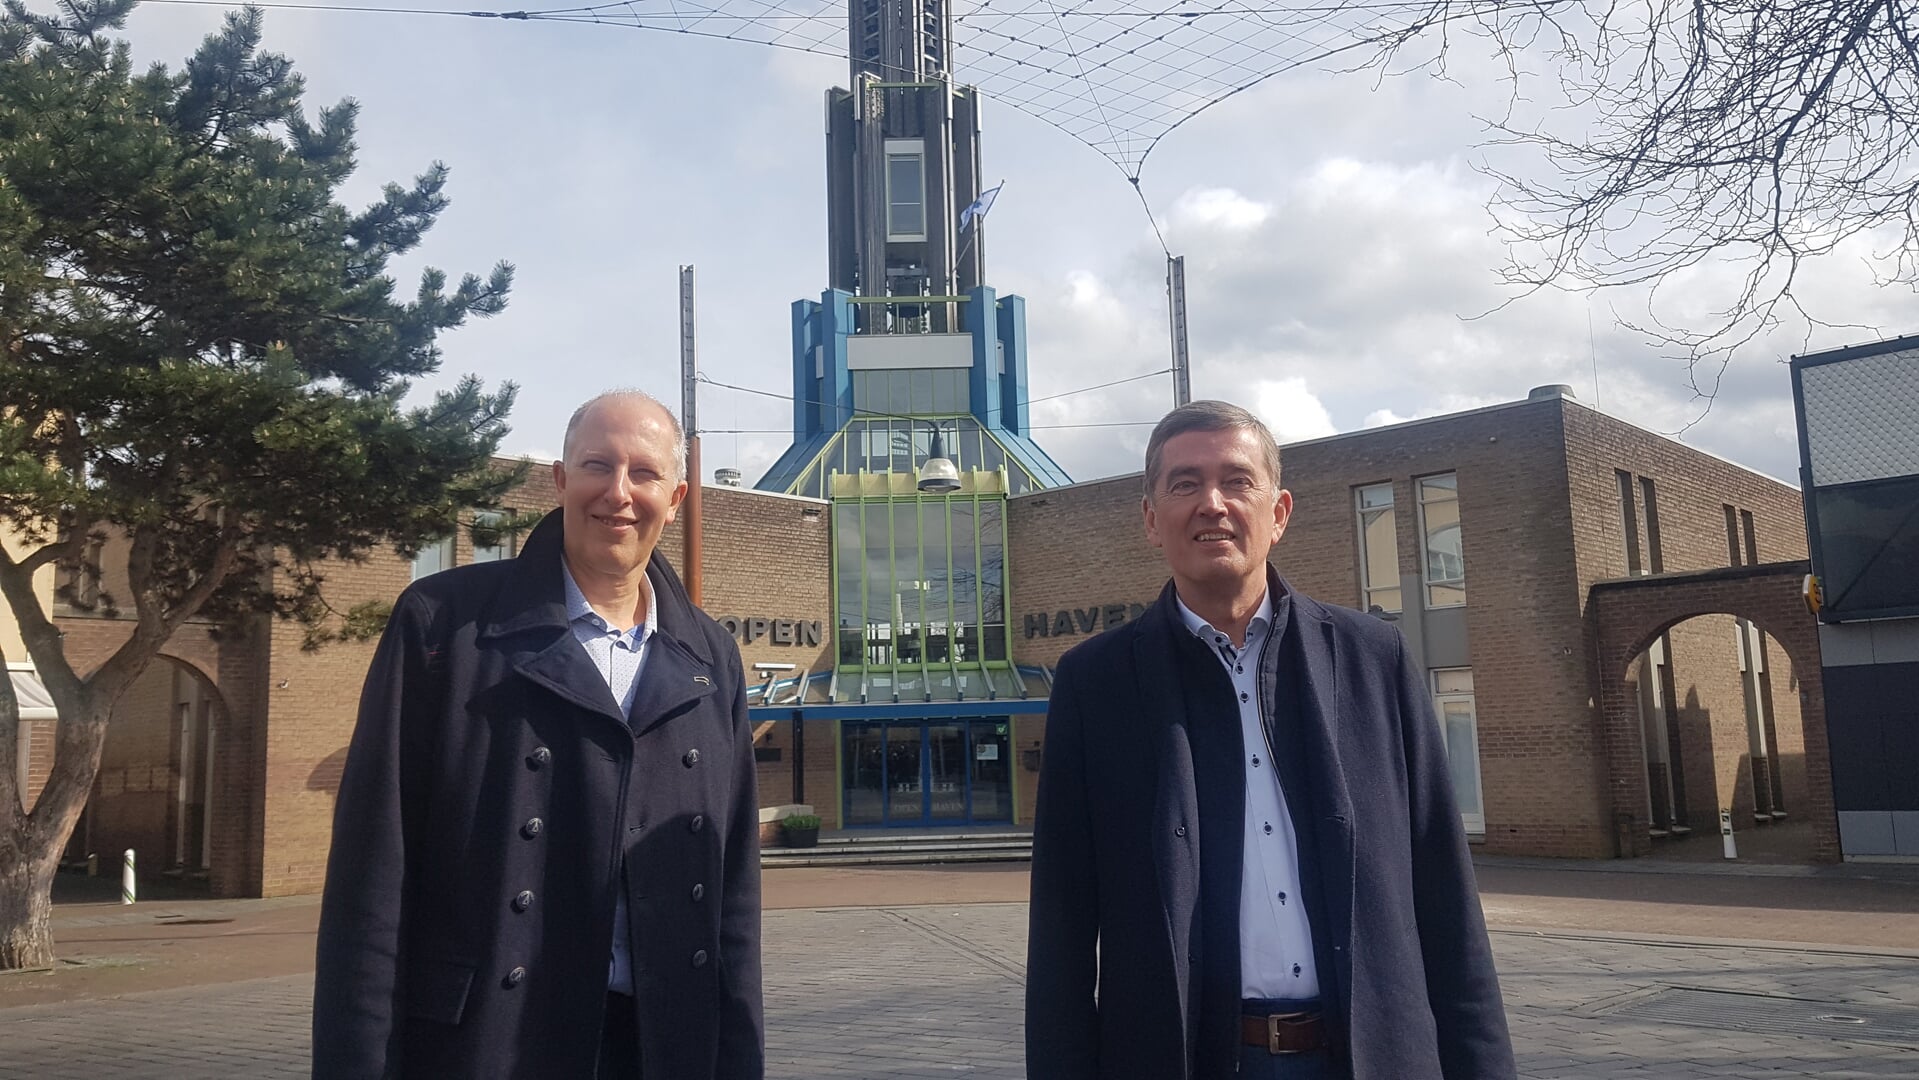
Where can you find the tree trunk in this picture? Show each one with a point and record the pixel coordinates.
(26, 906)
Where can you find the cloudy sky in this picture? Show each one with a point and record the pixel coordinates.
(1340, 265)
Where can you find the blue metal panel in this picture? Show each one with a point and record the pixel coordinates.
(983, 379)
(836, 325)
(1037, 462)
(806, 415)
(1012, 338)
(788, 468)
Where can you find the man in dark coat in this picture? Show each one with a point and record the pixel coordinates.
(1247, 860)
(545, 851)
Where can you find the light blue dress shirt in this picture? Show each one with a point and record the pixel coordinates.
(619, 655)
(1275, 938)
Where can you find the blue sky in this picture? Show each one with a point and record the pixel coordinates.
(1335, 228)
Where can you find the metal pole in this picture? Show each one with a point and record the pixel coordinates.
(689, 420)
(1176, 306)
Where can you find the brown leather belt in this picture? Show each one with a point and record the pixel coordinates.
(1284, 1033)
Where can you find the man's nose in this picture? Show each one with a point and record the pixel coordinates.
(1212, 500)
(622, 489)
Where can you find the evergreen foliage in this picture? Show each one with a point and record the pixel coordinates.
(202, 353)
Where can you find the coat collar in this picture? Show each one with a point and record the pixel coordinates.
(530, 610)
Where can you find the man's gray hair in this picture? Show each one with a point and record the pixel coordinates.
(672, 423)
(1208, 416)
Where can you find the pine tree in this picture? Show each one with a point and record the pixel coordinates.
(201, 353)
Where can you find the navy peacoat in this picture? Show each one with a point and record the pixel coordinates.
(1114, 977)
(490, 792)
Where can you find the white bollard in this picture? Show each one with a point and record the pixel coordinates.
(128, 889)
(1725, 832)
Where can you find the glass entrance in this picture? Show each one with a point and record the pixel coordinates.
(905, 773)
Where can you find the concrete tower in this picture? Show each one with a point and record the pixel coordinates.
(902, 152)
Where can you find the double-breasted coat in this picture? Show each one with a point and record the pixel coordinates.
(491, 793)
(1117, 973)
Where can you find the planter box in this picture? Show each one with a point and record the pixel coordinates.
(797, 838)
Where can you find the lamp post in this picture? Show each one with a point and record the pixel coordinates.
(938, 474)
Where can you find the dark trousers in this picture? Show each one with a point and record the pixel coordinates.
(1258, 1063)
(619, 1040)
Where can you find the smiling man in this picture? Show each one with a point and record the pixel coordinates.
(1247, 861)
(546, 847)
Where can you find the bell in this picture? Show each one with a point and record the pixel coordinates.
(938, 476)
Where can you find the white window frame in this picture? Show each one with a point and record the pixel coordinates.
(1367, 587)
(505, 549)
(916, 150)
(1425, 534)
(1472, 818)
(444, 545)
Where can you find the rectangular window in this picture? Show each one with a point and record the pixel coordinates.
(433, 558)
(1378, 548)
(1752, 540)
(1459, 729)
(1732, 535)
(1629, 515)
(502, 546)
(1441, 553)
(905, 190)
(1655, 559)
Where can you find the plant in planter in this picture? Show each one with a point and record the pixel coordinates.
(800, 830)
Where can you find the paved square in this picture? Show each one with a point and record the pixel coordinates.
(922, 992)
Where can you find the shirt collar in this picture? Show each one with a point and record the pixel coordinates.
(1203, 630)
(577, 608)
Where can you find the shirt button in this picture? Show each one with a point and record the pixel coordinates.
(698, 823)
(532, 828)
(523, 901)
(1242, 695)
(1269, 828)
(699, 892)
(1255, 761)
(515, 977)
(699, 958)
(1282, 898)
(1237, 670)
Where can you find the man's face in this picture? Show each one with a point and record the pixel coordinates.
(1215, 511)
(619, 486)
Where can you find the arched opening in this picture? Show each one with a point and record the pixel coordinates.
(1712, 699)
(155, 792)
(1717, 702)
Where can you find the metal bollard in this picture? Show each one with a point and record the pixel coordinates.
(1725, 832)
(128, 889)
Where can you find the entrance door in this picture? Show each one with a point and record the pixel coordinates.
(904, 773)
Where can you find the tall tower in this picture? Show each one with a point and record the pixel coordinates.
(902, 151)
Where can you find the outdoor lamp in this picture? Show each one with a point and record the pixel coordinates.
(938, 476)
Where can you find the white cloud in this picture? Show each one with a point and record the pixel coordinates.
(1291, 410)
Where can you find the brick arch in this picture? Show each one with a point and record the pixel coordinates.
(1629, 614)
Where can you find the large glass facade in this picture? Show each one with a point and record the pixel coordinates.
(920, 586)
(927, 772)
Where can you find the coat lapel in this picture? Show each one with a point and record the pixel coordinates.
(678, 669)
(1157, 692)
(1331, 813)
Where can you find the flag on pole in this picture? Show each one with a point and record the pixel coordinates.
(979, 206)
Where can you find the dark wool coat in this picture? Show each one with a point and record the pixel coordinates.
(490, 792)
(1121, 984)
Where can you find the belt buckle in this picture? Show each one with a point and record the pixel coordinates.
(1275, 1023)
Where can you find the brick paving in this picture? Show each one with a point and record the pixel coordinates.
(934, 991)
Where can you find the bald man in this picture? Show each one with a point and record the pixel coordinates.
(546, 850)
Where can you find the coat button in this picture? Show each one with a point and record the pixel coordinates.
(523, 901)
(691, 759)
(699, 958)
(699, 892)
(1179, 830)
(540, 756)
(532, 827)
(698, 823)
(516, 977)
